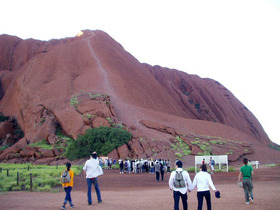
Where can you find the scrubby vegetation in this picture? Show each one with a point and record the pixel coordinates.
(207, 149)
(102, 140)
(3, 118)
(180, 146)
(42, 144)
(274, 146)
(44, 178)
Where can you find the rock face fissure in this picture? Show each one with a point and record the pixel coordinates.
(106, 83)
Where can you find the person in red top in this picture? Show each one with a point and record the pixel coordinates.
(68, 187)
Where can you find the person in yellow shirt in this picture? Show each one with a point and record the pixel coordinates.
(68, 187)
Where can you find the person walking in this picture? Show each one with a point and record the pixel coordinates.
(202, 181)
(212, 165)
(179, 183)
(92, 170)
(157, 170)
(161, 169)
(121, 166)
(246, 172)
(68, 187)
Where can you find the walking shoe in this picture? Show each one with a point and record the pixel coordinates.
(100, 201)
(63, 207)
(89, 204)
(251, 200)
(247, 202)
(72, 206)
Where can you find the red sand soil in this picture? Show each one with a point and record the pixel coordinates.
(141, 191)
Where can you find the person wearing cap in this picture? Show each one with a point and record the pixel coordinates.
(202, 181)
(180, 192)
(92, 170)
(246, 172)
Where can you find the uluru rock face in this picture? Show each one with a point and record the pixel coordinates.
(91, 81)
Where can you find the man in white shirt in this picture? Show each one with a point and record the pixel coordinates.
(180, 191)
(202, 181)
(92, 170)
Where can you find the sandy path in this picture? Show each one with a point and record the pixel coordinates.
(142, 192)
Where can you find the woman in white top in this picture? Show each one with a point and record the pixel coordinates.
(202, 181)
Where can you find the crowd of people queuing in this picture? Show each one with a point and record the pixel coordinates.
(158, 167)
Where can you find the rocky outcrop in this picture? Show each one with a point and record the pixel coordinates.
(89, 81)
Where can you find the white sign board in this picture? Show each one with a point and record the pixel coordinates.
(219, 159)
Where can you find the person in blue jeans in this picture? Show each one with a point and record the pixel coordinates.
(93, 181)
(68, 187)
(92, 170)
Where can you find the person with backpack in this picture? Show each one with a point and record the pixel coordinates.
(202, 181)
(67, 181)
(179, 183)
(92, 170)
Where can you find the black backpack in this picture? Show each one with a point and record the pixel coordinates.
(179, 181)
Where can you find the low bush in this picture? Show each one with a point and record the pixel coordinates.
(102, 140)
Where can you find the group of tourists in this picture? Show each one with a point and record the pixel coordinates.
(180, 183)
(179, 180)
(107, 163)
(158, 167)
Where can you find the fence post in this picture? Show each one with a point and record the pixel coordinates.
(31, 185)
(28, 168)
(17, 178)
(7, 172)
(0, 170)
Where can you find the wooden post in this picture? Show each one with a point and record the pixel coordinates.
(28, 168)
(31, 185)
(0, 170)
(7, 172)
(17, 178)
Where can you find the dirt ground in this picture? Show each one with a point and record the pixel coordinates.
(141, 191)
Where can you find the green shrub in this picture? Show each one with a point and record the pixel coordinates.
(178, 155)
(74, 101)
(191, 169)
(181, 146)
(274, 146)
(3, 118)
(102, 140)
(3, 147)
(42, 144)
